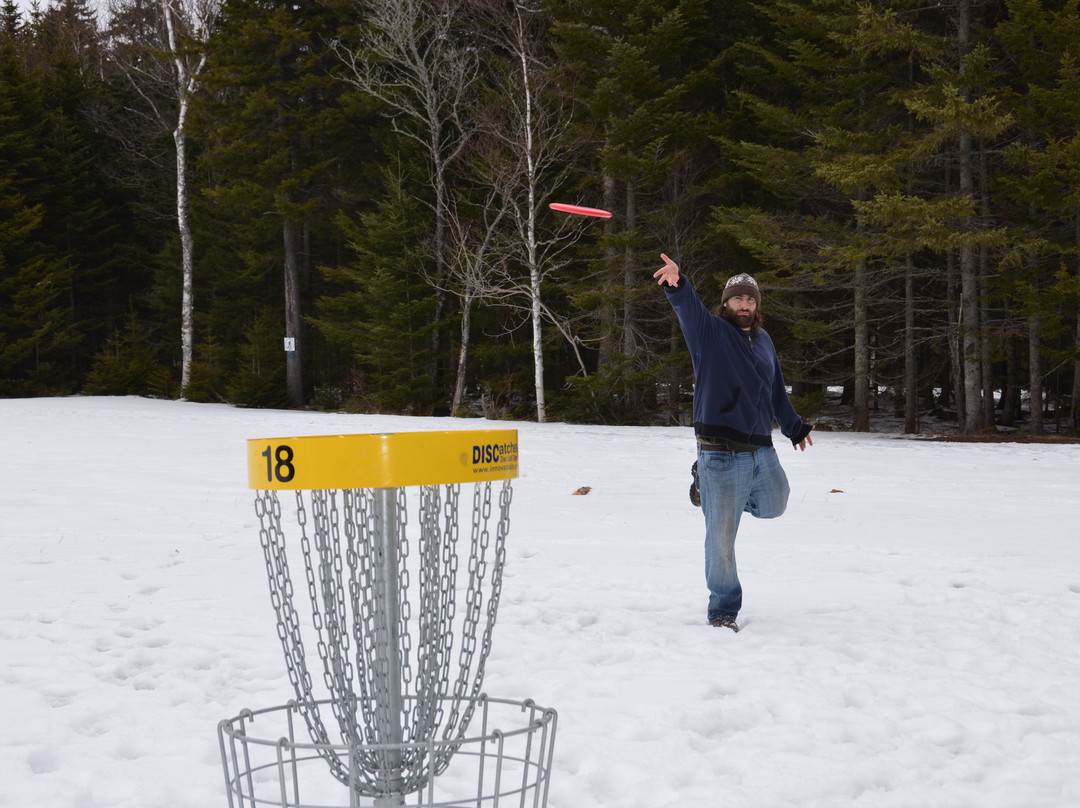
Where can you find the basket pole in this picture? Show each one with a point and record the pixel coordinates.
(388, 648)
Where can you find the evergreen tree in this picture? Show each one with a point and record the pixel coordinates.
(128, 365)
(1040, 178)
(37, 333)
(86, 215)
(283, 158)
(381, 311)
(878, 158)
(957, 104)
(810, 92)
(648, 76)
(857, 109)
(420, 60)
(11, 22)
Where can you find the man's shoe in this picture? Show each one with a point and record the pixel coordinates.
(725, 622)
(695, 494)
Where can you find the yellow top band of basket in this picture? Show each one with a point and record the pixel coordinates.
(392, 460)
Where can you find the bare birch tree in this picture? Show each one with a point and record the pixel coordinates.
(161, 48)
(411, 57)
(469, 276)
(531, 131)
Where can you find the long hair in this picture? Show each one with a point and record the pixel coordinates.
(756, 322)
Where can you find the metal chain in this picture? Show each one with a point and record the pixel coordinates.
(360, 523)
(457, 720)
(405, 581)
(349, 613)
(367, 607)
(480, 543)
(445, 567)
(272, 538)
(428, 656)
(334, 640)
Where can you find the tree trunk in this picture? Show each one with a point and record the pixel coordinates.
(294, 377)
(969, 338)
(956, 358)
(985, 360)
(987, 417)
(1010, 404)
(971, 421)
(630, 273)
(536, 309)
(187, 256)
(911, 376)
(463, 356)
(186, 80)
(1035, 384)
(1075, 408)
(608, 337)
(861, 410)
(439, 247)
(537, 341)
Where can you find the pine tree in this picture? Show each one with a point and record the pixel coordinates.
(1043, 272)
(11, 22)
(283, 155)
(648, 77)
(420, 60)
(380, 311)
(810, 92)
(878, 157)
(87, 216)
(856, 109)
(959, 105)
(37, 333)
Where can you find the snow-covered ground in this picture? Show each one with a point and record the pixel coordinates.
(911, 625)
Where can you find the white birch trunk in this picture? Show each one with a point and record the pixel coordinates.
(538, 345)
(536, 307)
(186, 84)
(536, 310)
(187, 261)
(463, 356)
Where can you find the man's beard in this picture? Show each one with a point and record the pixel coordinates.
(743, 321)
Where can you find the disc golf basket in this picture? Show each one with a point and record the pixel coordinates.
(401, 615)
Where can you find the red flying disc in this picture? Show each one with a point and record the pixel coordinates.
(580, 210)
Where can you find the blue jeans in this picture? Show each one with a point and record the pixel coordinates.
(732, 483)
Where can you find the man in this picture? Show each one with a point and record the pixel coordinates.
(739, 391)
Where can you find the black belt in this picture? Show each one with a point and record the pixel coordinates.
(714, 445)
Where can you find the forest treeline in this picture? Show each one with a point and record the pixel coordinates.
(343, 204)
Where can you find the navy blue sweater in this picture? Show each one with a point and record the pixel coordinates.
(739, 390)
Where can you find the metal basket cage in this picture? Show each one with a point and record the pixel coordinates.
(498, 768)
(385, 603)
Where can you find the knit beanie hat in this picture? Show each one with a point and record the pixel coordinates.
(741, 284)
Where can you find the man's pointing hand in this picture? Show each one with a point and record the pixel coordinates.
(668, 273)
